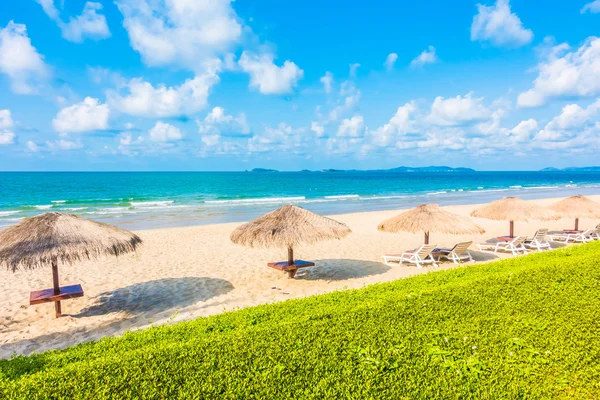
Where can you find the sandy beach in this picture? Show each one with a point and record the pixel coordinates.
(189, 272)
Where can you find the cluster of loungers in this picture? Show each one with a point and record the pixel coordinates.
(431, 254)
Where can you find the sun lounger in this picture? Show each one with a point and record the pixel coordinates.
(420, 256)
(457, 254)
(573, 236)
(515, 245)
(538, 241)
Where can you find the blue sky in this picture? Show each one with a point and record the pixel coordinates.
(220, 85)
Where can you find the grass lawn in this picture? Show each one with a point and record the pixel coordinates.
(527, 327)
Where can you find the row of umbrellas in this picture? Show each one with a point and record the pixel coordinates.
(53, 238)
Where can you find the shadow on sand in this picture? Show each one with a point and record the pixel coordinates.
(480, 256)
(155, 297)
(341, 269)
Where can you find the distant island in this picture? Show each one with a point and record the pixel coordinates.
(571, 169)
(397, 169)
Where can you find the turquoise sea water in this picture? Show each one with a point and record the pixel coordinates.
(138, 200)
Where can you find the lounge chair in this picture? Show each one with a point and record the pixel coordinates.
(538, 241)
(457, 254)
(573, 236)
(515, 246)
(420, 256)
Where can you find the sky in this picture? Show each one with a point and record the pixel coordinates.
(219, 85)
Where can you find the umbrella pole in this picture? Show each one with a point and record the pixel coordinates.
(426, 237)
(512, 229)
(576, 224)
(290, 256)
(56, 287)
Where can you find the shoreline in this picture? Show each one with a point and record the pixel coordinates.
(184, 273)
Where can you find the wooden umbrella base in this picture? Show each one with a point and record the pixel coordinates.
(291, 269)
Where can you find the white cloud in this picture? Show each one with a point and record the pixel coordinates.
(89, 24)
(426, 57)
(327, 81)
(7, 136)
(317, 128)
(524, 130)
(20, 60)
(402, 122)
(219, 124)
(566, 73)
(180, 32)
(163, 132)
(458, 110)
(282, 138)
(89, 115)
(268, 77)
(144, 100)
(572, 120)
(390, 60)
(49, 8)
(593, 7)
(498, 25)
(353, 69)
(32, 147)
(63, 145)
(353, 127)
(350, 96)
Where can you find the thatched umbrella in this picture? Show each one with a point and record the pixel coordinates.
(577, 207)
(52, 238)
(288, 227)
(514, 209)
(430, 218)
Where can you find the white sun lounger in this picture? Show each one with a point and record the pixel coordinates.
(538, 241)
(515, 246)
(419, 257)
(575, 237)
(457, 254)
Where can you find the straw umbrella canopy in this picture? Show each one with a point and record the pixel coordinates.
(430, 218)
(577, 207)
(52, 238)
(288, 227)
(514, 209)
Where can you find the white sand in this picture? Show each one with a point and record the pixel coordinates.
(197, 271)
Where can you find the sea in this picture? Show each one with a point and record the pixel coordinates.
(147, 200)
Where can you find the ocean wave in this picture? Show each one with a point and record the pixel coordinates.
(58, 201)
(151, 203)
(436, 193)
(260, 200)
(75, 208)
(342, 197)
(8, 213)
(516, 187)
(540, 187)
(43, 207)
(488, 190)
(388, 197)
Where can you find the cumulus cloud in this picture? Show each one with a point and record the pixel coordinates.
(458, 110)
(317, 128)
(426, 57)
(64, 145)
(390, 60)
(353, 69)
(89, 115)
(401, 123)
(180, 32)
(524, 130)
(352, 127)
(499, 26)
(267, 77)
(282, 138)
(32, 146)
(7, 136)
(142, 99)
(566, 73)
(593, 7)
(163, 132)
(572, 120)
(89, 24)
(327, 81)
(218, 123)
(20, 60)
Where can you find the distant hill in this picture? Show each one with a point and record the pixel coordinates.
(263, 170)
(430, 169)
(572, 169)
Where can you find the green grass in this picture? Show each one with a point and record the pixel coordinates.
(527, 327)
